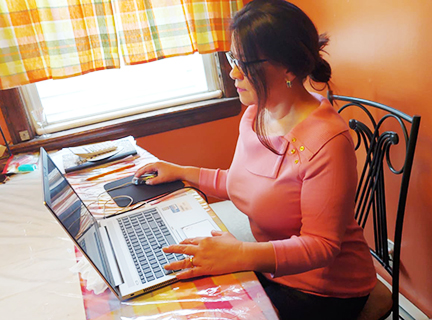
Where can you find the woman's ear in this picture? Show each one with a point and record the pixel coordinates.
(289, 76)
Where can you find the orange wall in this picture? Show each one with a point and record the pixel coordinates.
(381, 51)
(208, 145)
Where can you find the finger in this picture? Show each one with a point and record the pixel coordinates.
(189, 273)
(154, 180)
(151, 167)
(161, 175)
(193, 241)
(189, 241)
(183, 264)
(189, 250)
(178, 265)
(216, 233)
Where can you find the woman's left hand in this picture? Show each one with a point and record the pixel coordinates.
(215, 255)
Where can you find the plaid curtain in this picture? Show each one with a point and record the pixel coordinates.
(54, 39)
(155, 29)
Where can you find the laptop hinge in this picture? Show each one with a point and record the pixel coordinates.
(112, 261)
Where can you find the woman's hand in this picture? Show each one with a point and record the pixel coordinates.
(167, 172)
(215, 255)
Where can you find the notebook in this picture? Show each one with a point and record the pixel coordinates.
(126, 250)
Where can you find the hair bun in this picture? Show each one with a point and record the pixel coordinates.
(322, 71)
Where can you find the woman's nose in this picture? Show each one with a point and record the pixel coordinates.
(236, 73)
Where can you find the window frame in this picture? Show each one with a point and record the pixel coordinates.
(18, 121)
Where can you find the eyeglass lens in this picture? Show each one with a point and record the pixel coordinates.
(232, 61)
(241, 65)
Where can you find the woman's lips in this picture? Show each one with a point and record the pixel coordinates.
(240, 90)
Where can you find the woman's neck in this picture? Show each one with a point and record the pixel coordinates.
(282, 117)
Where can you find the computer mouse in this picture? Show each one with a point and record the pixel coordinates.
(142, 179)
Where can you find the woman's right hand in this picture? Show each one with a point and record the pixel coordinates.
(166, 172)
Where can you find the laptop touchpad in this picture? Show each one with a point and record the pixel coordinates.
(199, 229)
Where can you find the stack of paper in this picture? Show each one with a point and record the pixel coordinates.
(125, 147)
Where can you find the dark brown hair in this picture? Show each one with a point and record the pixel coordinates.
(278, 31)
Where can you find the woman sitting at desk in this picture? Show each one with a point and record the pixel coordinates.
(293, 174)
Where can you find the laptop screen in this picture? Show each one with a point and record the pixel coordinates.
(73, 215)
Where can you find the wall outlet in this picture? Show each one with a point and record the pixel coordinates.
(390, 245)
(24, 135)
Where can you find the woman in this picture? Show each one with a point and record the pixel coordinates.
(293, 174)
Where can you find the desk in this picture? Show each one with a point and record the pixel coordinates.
(36, 257)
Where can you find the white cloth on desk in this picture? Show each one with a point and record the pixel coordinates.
(36, 256)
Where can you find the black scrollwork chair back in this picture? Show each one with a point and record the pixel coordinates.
(377, 139)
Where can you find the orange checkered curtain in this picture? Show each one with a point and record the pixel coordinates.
(154, 29)
(55, 39)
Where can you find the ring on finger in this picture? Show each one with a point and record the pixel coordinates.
(191, 261)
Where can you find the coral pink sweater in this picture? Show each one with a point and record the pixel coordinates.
(302, 202)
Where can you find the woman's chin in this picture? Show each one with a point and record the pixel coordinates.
(245, 100)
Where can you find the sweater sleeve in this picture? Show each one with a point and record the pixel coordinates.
(327, 207)
(213, 182)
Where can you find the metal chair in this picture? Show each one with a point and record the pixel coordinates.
(377, 140)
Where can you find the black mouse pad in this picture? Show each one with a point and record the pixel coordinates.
(138, 193)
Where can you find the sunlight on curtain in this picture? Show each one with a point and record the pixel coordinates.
(54, 39)
(155, 29)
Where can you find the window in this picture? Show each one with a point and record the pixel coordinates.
(145, 32)
(111, 94)
(22, 131)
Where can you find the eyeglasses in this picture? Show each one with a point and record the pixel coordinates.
(241, 65)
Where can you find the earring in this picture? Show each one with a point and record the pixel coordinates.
(288, 83)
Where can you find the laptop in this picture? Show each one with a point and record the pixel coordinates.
(126, 249)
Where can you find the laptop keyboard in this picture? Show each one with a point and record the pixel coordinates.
(146, 234)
